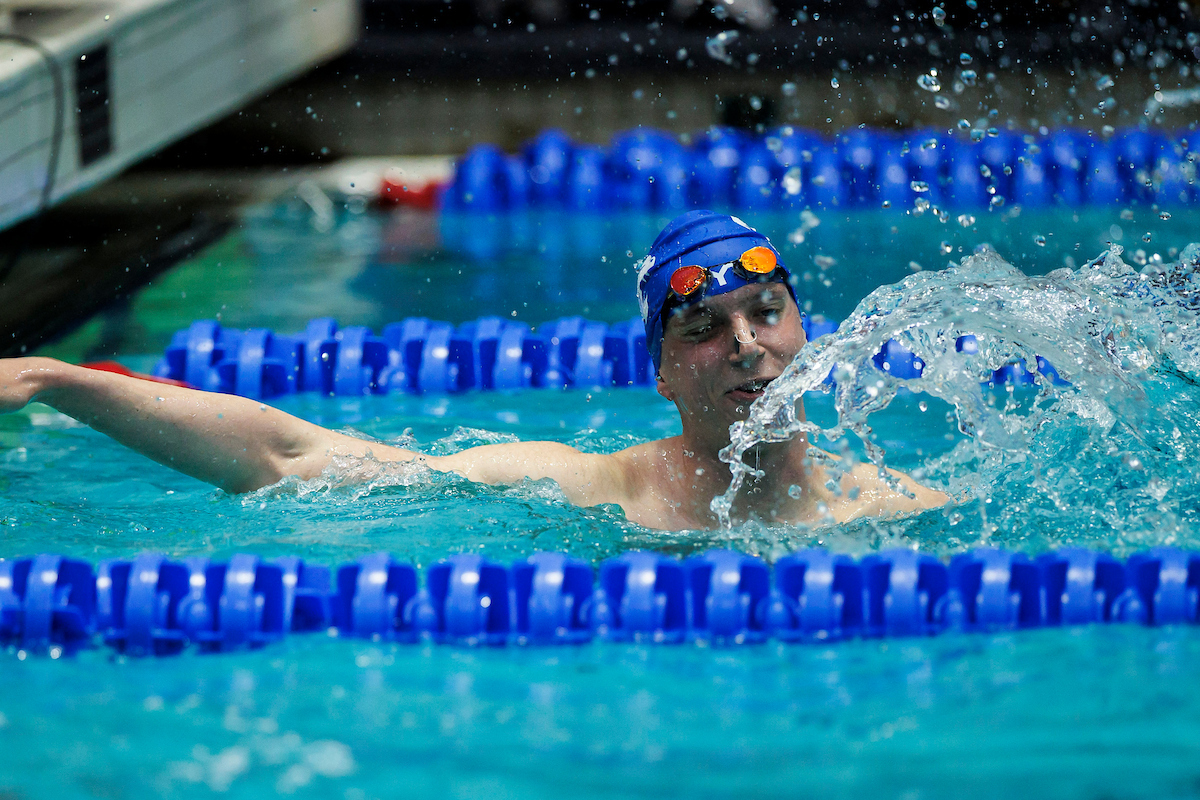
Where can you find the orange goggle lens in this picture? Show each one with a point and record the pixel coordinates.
(687, 280)
(758, 260)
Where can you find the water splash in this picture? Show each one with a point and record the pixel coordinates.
(1102, 453)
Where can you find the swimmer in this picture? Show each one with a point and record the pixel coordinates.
(721, 323)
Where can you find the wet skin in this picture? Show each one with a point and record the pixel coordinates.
(712, 378)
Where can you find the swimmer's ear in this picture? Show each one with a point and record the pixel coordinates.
(663, 389)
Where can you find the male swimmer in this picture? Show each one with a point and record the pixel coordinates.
(721, 323)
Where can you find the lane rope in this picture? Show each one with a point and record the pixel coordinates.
(155, 605)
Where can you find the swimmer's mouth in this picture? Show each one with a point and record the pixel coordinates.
(751, 388)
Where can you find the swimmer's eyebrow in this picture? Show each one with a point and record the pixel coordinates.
(690, 314)
(772, 292)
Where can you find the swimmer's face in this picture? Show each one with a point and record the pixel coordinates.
(712, 377)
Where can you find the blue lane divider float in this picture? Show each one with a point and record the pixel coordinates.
(153, 605)
(414, 355)
(787, 167)
(424, 356)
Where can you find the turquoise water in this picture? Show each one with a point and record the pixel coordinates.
(1089, 713)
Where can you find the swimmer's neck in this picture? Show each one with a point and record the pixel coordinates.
(770, 497)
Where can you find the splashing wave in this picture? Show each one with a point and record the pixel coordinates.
(1101, 457)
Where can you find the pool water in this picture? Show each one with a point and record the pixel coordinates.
(1090, 712)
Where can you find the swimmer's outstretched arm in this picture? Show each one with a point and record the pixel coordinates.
(241, 445)
(231, 442)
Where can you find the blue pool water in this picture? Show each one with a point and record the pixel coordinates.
(1091, 712)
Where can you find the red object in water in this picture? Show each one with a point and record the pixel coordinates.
(121, 369)
(424, 197)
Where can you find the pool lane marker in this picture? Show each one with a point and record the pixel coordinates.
(154, 605)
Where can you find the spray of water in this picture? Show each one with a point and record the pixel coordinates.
(1102, 452)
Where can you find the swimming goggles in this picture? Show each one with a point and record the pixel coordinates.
(754, 266)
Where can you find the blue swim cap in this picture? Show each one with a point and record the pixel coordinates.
(700, 238)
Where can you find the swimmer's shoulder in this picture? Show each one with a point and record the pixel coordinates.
(643, 462)
(866, 494)
(628, 478)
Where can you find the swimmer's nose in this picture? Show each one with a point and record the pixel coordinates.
(746, 346)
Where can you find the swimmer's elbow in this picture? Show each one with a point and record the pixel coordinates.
(272, 471)
(243, 484)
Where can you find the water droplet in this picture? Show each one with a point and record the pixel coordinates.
(1164, 215)
(920, 206)
(969, 77)
(834, 83)
(919, 186)
(788, 89)
(1105, 82)
(791, 181)
(1039, 240)
(716, 45)
(929, 144)
(1146, 236)
(965, 58)
(794, 492)
(929, 81)
(939, 16)
(963, 125)
(966, 220)
(946, 248)
(942, 102)
(923, 405)
(985, 170)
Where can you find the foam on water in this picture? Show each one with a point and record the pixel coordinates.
(1101, 461)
